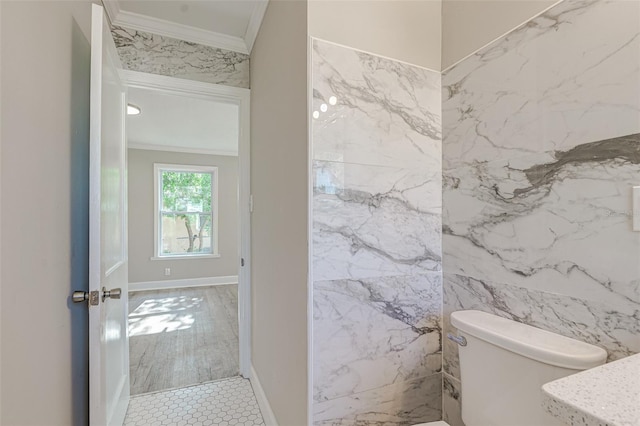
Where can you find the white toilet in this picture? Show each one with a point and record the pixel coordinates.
(503, 365)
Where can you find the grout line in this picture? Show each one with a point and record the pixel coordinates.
(188, 386)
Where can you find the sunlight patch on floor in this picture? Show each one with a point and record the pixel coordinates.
(163, 315)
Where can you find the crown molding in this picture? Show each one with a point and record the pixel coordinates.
(221, 92)
(112, 7)
(161, 27)
(255, 21)
(138, 22)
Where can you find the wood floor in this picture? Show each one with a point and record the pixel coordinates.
(182, 337)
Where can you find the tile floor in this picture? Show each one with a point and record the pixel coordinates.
(222, 403)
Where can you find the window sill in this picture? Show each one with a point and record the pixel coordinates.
(195, 256)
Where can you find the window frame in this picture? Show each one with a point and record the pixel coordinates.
(158, 168)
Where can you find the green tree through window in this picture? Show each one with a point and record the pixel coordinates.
(186, 200)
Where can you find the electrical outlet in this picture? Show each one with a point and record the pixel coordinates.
(167, 271)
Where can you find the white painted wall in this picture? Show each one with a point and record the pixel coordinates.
(468, 25)
(406, 30)
(141, 214)
(45, 58)
(279, 176)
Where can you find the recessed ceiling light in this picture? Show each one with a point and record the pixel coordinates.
(133, 109)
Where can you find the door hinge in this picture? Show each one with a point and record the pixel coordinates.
(242, 261)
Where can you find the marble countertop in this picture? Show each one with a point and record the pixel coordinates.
(608, 395)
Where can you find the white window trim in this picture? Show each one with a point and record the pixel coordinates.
(157, 168)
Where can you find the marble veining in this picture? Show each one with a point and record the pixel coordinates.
(548, 221)
(406, 403)
(625, 150)
(377, 168)
(388, 325)
(606, 395)
(615, 328)
(451, 401)
(375, 221)
(549, 85)
(387, 112)
(377, 227)
(541, 147)
(155, 54)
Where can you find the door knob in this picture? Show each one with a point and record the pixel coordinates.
(114, 293)
(82, 296)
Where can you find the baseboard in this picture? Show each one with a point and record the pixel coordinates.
(191, 282)
(265, 408)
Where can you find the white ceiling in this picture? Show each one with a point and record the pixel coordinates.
(227, 24)
(183, 124)
(227, 17)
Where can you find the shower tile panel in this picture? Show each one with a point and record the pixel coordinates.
(451, 401)
(377, 230)
(552, 84)
(548, 222)
(405, 403)
(541, 149)
(375, 332)
(614, 327)
(387, 112)
(420, 189)
(154, 54)
(374, 221)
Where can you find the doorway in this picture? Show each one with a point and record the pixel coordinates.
(188, 252)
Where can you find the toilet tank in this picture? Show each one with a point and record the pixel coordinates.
(504, 365)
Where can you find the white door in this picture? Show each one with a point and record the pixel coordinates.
(108, 335)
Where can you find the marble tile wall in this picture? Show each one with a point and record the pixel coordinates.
(377, 283)
(154, 54)
(541, 148)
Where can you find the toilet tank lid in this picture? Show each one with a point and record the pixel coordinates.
(531, 342)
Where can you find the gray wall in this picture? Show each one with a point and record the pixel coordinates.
(405, 30)
(432, 33)
(45, 59)
(467, 25)
(279, 174)
(141, 213)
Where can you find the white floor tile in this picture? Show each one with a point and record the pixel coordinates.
(224, 403)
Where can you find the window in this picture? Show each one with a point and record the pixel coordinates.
(186, 211)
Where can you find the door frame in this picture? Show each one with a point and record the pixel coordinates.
(240, 97)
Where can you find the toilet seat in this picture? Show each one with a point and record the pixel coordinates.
(438, 423)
